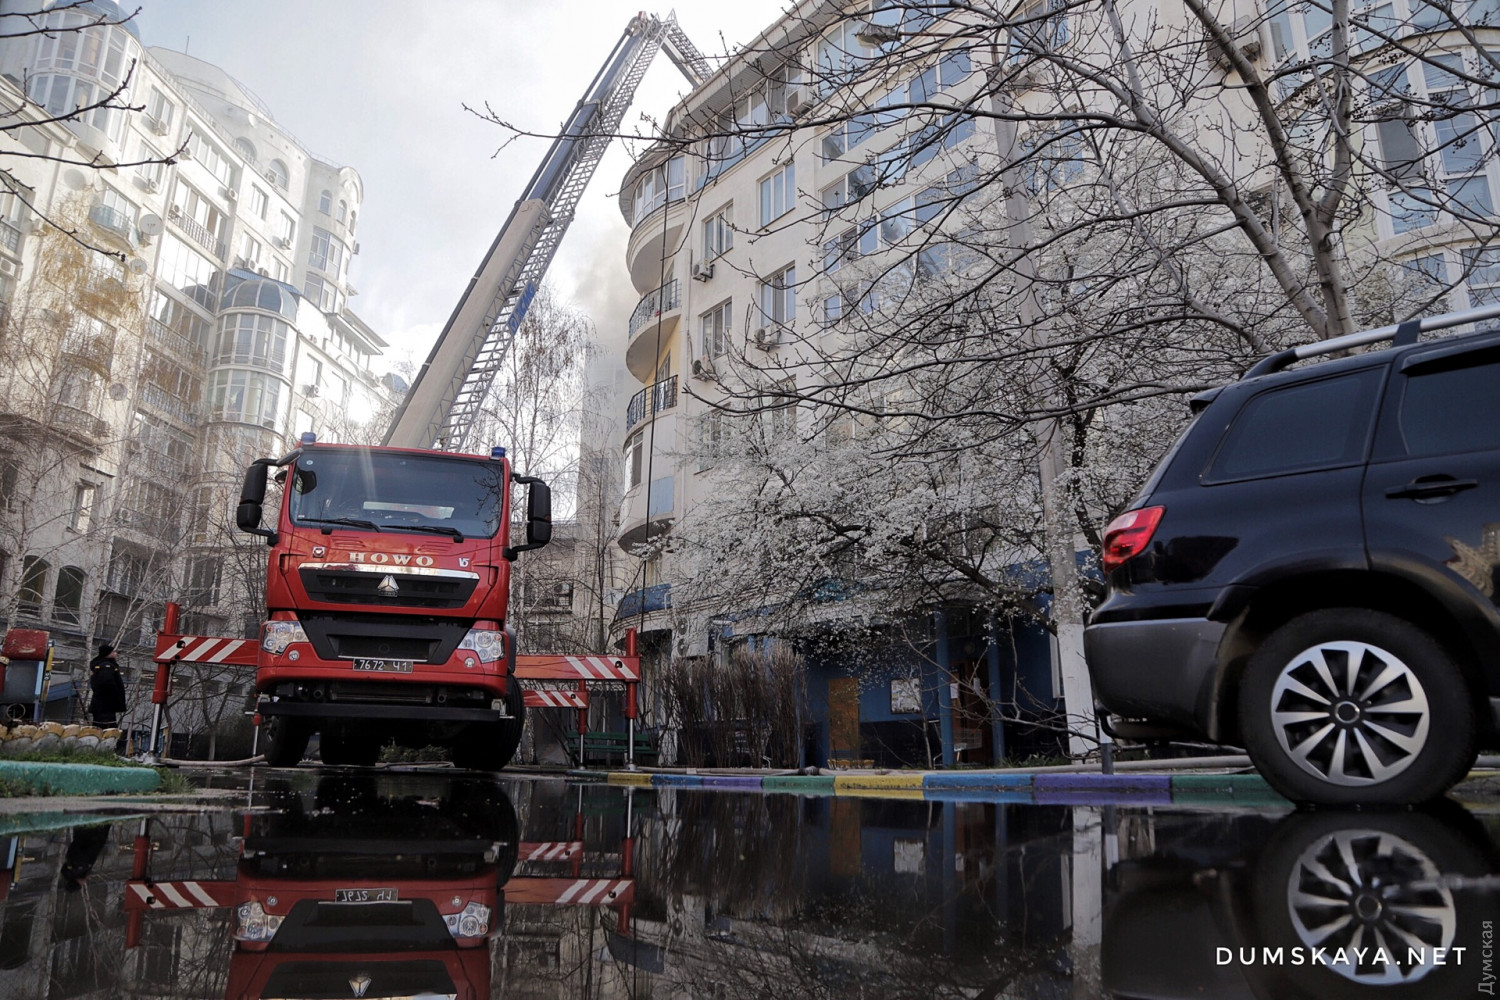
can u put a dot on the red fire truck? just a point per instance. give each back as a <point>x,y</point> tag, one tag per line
<point>386,594</point>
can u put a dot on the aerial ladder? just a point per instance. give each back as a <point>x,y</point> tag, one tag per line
<point>440,408</point>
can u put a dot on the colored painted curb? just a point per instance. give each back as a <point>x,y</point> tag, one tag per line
<point>677,780</point>
<point>877,782</point>
<point>815,784</point>
<point>975,780</point>
<point>732,781</point>
<point>78,779</point>
<point>633,778</point>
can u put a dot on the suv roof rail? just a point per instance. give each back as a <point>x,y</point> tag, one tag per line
<point>1398,333</point>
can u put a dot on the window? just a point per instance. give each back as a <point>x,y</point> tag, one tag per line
<point>778,297</point>
<point>245,148</point>
<point>1482,275</point>
<point>181,267</point>
<point>159,111</point>
<point>128,569</point>
<point>252,339</point>
<point>1037,28</point>
<point>151,169</point>
<point>715,326</point>
<point>323,294</point>
<point>343,211</point>
<point>33,583</point>
<point>951,69</point>
<point>10,476</point>
<point>711,438</point>
<point>634,461</point>
<point>250,249</point>
<point>718,234</point>
<point>857,129</point>
<point>1302,427</point>
<point>67,599</point>
<point>658,185</point>
<point>246,396</point>
<point>277,174</point>
<point>288,230</point>
<point>83,507</point>
<point>1452,409</point>
<point>778,194</point>
<point>326,252</point>
<point>259,202</point>
<point>840,55</point>
<point>212,158</point>
<point>1461,156</point>
<point>325,202</point>
<point>203,581</point>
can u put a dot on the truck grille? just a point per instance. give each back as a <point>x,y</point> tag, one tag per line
<point>346,586</point>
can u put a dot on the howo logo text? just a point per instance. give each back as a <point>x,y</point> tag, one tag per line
<point>396,558</point>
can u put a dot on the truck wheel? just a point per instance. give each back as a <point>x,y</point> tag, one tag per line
<point>1349,706</point>
<point>284,740</point>
<point>489,746</point>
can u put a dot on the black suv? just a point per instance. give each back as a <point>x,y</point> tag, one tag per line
<point>1312,571</point>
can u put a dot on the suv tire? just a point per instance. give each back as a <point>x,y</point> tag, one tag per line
<point>1349,706</point>
<point>284,739</point>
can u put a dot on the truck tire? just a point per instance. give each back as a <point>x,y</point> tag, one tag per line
<point>1348,706</point>
<point>489,746</point>
<point>284,740</point>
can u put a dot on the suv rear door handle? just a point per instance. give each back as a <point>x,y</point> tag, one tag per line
<point>1430,487</point>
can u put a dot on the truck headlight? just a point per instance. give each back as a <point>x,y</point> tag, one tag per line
<point>253,923</point>
<point>488,644</point>
<point>275,637</point>
<point>471,922</point>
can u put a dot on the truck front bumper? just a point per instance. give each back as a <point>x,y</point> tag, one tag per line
<point>353,710</point>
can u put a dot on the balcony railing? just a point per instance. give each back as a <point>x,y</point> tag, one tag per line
<point>184,347</point>
<point>650,401</point>
<point>200,235</point>
<point>81,422</point>
<point>10,237</point>
<point>657,301</point>
<point>115,221</point>
<point>169,405</point>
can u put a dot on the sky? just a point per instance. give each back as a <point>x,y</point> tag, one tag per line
<point>380,86</point>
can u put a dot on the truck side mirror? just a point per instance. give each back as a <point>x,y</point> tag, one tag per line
<point>252,499</point>
<point>538,515</point>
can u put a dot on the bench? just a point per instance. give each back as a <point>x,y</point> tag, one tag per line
<point>612,746</point>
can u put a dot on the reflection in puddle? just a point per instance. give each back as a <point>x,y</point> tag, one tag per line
<point>443,885</point>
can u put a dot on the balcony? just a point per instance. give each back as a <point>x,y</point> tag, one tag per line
<point>651,401</point>
<point>647,513</point>
<point>168,405</point>
<point>79,423</point>
<point>657,597</point>
<point>10,236</point>
<point>184,347</point>
<point>198,233</point>
<point>661,307</point>
<point>115,221</point>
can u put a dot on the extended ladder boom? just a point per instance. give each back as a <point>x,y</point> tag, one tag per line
<point>443,401</point>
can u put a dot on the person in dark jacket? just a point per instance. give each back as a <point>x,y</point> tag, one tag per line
<point>108,687</point>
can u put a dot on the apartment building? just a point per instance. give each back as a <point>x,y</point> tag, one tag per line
<point>164,323</point>
<point>806,201</point>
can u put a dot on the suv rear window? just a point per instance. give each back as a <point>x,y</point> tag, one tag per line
<point>1453,410</point>
<point>1298,428</point>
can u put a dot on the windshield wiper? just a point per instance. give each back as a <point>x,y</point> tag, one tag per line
<point>436,529</point>
<point>352,522</point>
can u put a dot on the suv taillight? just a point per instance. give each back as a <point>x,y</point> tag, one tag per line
<point>1128,535</point>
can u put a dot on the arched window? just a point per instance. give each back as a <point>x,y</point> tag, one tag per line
<point>343,210</point>
<point>325,202</point>
<point>246,148</point>
<point>33,582</point>
<point>67,599</point>
<point>277,174</point>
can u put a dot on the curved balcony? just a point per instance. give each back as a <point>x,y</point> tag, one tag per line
<point>649,508</point>
<point>662,304</point>
<point>654,242</point>
<point>650,401</point>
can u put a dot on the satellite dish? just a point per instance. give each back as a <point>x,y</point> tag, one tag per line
<point>118,391</point>
<point>150,225</point>
<point>138,266</point>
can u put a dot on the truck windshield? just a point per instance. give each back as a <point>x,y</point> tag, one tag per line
<point>391,491</point>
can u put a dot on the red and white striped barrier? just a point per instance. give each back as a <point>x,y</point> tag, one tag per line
<point>143,895</point>
<point>575,668</point>
<point>206,649</point>
<point>550,850</point>
<point>556,699</point>
<point>569,891</point>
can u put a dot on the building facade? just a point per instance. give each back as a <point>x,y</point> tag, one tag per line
<point>808,199</point>
<point>176,286</point>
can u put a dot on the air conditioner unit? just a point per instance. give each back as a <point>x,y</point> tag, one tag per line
<point>703,368</point>
<point>150,184</point>
<point>283,243</point>
<point>768,337</point>
<point>310,391</point>
<point>875,35</point>
<point>797,100</point>
<point>1246,34</point>
<point>703,270</point>
<point>157,125</point>
<point>230,194</point>
<point>356,246</point>
<point>7,266</point>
